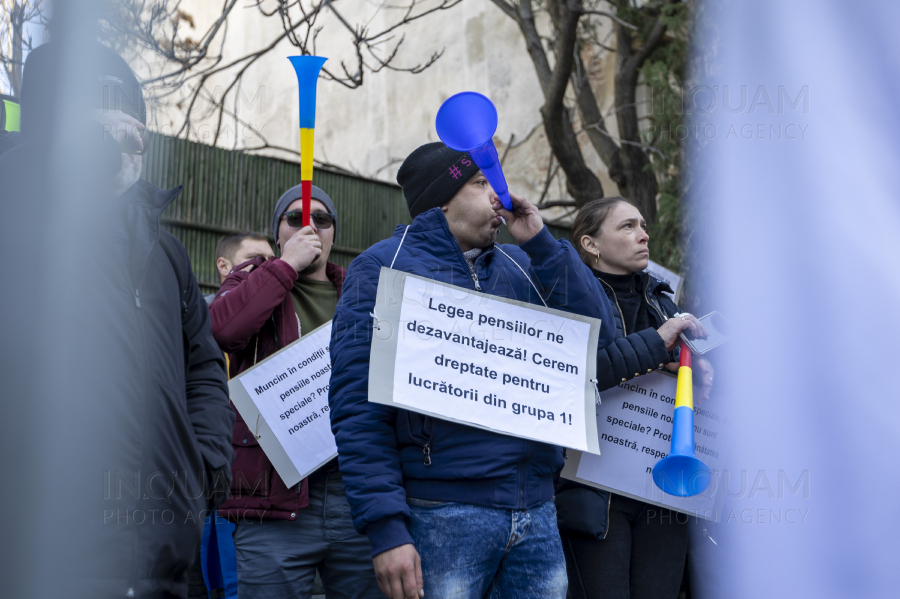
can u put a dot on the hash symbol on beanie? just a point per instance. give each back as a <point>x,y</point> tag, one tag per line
<point>432,175</point>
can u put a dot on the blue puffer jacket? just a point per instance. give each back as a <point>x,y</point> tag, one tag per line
<point>382,450</point>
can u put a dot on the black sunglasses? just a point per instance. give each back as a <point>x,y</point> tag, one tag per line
<point>322,220</point>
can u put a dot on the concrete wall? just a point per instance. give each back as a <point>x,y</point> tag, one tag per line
<point>370,130</point>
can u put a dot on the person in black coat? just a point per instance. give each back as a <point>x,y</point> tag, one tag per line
<point>141,452</point>
<point>618,547</point>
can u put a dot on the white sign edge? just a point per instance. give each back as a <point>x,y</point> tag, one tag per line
<point>383,351</point>
<point>267,439</point>
<point>573,459</point>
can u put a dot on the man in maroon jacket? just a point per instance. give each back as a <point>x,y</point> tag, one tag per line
<point>283,535</point>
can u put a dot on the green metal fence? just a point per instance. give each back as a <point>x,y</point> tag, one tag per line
<point>229,191</point>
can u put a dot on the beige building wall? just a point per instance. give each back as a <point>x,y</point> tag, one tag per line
<point>371,129</point>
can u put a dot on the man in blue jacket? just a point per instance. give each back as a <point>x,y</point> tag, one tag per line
<point>456,510</point>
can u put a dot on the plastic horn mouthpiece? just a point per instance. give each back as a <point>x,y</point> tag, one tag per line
<point>467,122</point>
<point>307,69</point>
<point>681,473</point>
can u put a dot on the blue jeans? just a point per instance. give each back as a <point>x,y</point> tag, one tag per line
<point>474,552</point>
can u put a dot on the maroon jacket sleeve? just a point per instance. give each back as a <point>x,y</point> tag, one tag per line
<point>246,300</point>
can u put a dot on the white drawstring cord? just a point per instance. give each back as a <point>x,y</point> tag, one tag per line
<point>399,246</point>
<point>524,273</point>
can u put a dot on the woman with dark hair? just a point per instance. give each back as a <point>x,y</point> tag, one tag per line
<point>617,547</point>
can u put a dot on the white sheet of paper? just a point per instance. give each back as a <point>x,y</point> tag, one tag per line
<point>485,361</point>
<point>634,424</point>
<point>665,275</point>
<point>286,396</point>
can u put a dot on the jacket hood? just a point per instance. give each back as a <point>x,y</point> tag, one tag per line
<point>654,285</point>
<point>147,195</point>
<point>432,223</point>
<point>432,219</point>
<point>430,233</point>
<point>143,206</point>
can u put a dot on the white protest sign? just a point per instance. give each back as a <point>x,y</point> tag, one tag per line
<point>284,400</point>
<point>635,426</point>
<point>485,361</point>
<point>665,275</point>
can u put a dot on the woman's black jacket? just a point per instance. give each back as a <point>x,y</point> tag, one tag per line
<point>633,353</point>
<point>585,510</point>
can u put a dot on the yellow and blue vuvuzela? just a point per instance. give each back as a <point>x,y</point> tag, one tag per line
<point>681,473</point>
<point>307,69</point>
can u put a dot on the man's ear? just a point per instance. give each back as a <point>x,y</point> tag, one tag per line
<point>445,207</point>
<point>224,266</point>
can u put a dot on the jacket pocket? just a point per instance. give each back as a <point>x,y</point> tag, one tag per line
<point>583,511</point>
<point>251,470</point>
<point>419,428</point>
<point>242,436</point>
<point>421,432</point>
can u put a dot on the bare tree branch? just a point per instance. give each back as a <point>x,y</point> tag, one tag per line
<point>581,182</point>
<point>630,67</point>
<point>524,16</point>
<point>609,15</point>
<point>509,145</point>
<point>14,16</point>
<point>556,204</point>
<point>641,185</point>
<point>566,24</point>
<point>508,8</point>
<point>564,220</point>
<point>594,123</point>
<point>571,53</point>
<point>551,174</point>
<point>189,63</point>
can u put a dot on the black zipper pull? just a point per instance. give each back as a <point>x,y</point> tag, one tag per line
<point>427,451</point>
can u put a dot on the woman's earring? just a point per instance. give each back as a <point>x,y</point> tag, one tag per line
<point>598,258</point>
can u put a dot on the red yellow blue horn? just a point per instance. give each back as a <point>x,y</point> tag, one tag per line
<point>681,473</point>
<point>307,69</point>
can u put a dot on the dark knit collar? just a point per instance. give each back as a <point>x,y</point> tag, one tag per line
<point>630,283</point>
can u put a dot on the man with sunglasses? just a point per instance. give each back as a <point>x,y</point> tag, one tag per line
<point>284,535</point>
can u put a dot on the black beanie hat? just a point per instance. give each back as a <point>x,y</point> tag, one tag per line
<point>114,85</point>
<point>432,175</point>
